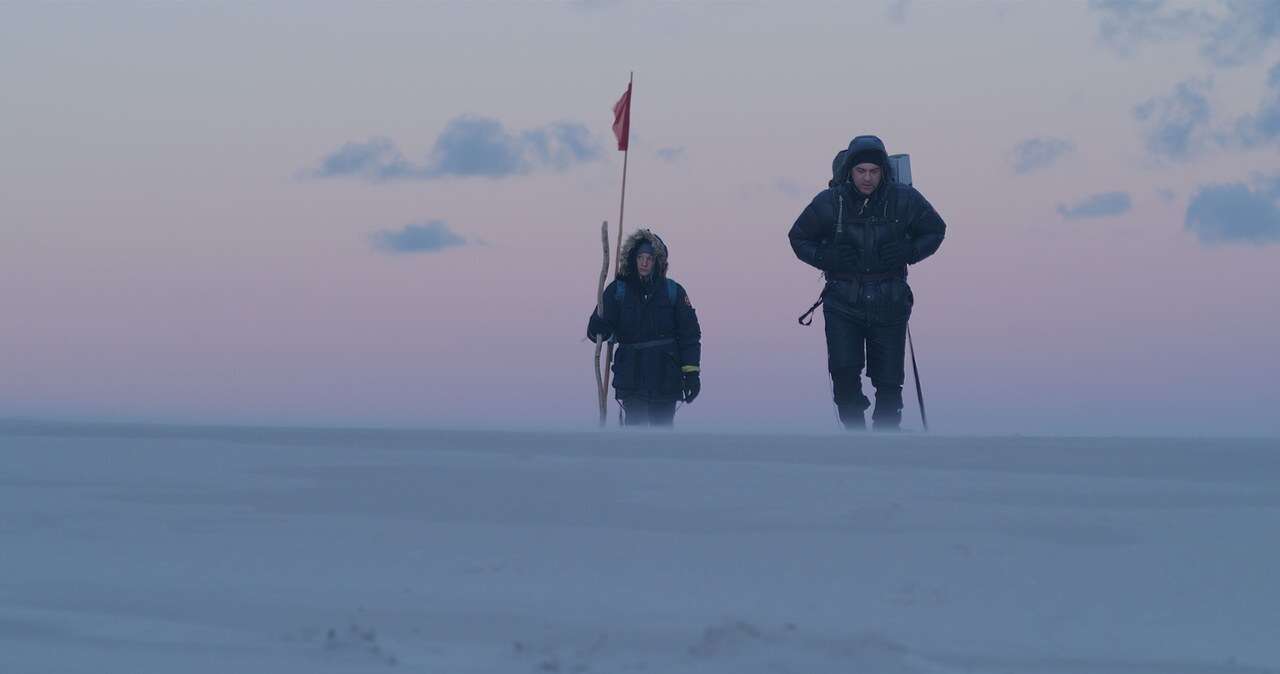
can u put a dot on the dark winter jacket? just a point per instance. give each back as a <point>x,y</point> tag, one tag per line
<point>892,211</point>
<point>654,324</point>
<point>848,236</point>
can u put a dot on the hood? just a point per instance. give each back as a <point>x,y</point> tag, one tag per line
<point>626,263</point>
<point>856,146</point>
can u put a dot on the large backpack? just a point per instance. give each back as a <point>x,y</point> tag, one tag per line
<point>899,168</point>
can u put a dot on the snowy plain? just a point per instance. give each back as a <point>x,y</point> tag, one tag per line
<point>139,548</point>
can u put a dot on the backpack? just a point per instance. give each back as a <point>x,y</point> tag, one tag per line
<point>620,290</point>
<point>899,169</point>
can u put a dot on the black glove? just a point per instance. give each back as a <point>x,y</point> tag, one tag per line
<point>893,254</point>
<point>691,386</point>
<point>597,326</point>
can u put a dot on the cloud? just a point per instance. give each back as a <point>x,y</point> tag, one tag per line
<point>898,10</point>
<point>1246,29</point>
<point>671,155</point>
<point>1234,213</point>
<point>432,237</point>
<point>1176,124</point>
<point>795,190</point>
<point>377,159</point>
<point>1269,185</point>
<point>1263,126</point>
<point>1124,24</point>
<point>1038,153</point>
<point>469,146</point>
<point>476,146</point>
<point>559,146</point>
<point>1230,32</point>
<point>1097,206</point>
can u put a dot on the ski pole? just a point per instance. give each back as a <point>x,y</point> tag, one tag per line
<point>915,371</point>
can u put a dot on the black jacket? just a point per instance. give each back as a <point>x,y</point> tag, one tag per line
<point>656,329</point>
<point>892,211</point>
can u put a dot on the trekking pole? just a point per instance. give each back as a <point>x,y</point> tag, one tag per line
<point>915,371</point>
<point>604,273</point>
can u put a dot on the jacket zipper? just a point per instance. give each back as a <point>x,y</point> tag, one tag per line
<point>866,237</point>
<point>839,215</point>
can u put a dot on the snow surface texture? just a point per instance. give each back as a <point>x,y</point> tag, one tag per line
<point>172,549</point>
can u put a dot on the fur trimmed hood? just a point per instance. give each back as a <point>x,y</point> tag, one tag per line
<point>627,255</point>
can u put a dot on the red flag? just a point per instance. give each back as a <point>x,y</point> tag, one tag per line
<point>622,119</point>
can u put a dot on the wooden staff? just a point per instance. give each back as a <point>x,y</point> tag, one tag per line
<point>602,381</point>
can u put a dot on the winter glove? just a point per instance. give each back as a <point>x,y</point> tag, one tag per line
<point>597,326</point>
<point>893,254</point>
<point>691,386</point>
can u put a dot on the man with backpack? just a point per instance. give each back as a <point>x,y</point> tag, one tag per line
<point>862,232</point>
<point>659,341</point>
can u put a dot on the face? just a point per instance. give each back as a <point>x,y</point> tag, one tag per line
<point>866,177</point>
<point>644,264</point>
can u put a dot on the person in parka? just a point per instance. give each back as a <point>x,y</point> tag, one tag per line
<point>659,341</point>
<point>862,232</point>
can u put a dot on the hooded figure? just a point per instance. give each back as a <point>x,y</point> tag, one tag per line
<point>656,329</point>
<point>862,232</point>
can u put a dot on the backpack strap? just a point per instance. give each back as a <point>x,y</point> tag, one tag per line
<point>620,290</point>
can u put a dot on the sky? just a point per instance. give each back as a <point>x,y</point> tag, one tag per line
<point>388,214</point>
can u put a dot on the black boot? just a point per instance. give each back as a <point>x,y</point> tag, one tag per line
<point>852,417</point>
<point>846,384</point>
<point>887,415</point>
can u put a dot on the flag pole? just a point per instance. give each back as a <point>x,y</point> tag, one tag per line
<point>622,204</point>
<point>622,207</point>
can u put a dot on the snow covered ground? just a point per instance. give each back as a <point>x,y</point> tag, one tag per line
<point>182,549</point>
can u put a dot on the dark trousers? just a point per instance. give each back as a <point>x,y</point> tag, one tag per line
<point>852,342</point>
<point>640,412</point>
